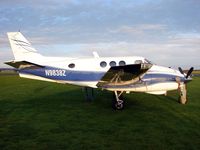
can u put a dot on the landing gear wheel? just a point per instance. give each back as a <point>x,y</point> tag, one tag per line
<point>119,105</point>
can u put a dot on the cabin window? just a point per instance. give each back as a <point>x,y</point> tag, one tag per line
<point>138,62</point>
<point>103,64</point>
<point>72,65</point>
<point>122,63</point>
<point>112,63</point>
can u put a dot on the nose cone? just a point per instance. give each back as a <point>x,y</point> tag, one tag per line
<point>166,70</point>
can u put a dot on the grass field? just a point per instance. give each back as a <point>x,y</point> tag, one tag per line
<point>41,115</point>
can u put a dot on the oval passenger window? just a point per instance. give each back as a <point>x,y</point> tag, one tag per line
<point>103,64</point>
<point>122,63</point>
<point>112,63</point>
<point>72,65</point>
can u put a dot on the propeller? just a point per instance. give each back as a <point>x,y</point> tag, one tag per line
<point>188,73</point>
<point>180,69</point>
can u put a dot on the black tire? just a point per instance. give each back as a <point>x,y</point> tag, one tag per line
<point>115,104</point>
<point>89,94</point>
<point>119,106</point>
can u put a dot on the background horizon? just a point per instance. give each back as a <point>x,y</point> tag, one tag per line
<point>165,32</point>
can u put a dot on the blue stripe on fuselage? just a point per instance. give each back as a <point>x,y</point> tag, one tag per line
<point>71,75</point>
<point>63,74</point>
<point>161,77</point>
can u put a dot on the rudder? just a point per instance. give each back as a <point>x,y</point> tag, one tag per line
<point>21,47</point>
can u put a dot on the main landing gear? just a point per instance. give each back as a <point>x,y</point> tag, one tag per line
<point>118,103</point>
<point>89,93</point>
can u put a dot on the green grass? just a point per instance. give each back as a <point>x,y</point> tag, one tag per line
<point>196,72</point>
<point>41,115</point>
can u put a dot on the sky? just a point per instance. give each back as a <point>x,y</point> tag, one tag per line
<point>167,32</point>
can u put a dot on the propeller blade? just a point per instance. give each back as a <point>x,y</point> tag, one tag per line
<point>189,72</point>
<point>181,71</point>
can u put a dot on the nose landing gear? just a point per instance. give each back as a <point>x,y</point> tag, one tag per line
<point>118,102</point>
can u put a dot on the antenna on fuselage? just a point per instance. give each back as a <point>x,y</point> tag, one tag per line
<point>95,54</point>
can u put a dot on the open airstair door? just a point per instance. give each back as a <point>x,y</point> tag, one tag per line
<point>123,75</point>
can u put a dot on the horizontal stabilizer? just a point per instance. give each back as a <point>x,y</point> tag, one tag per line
<point>23,65</point>
<point>123,75</point>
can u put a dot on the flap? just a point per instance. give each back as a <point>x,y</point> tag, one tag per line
<point>123,75</point>
<point>23,65</point>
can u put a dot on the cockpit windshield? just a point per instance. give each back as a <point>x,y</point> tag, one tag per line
<point>146,61</point>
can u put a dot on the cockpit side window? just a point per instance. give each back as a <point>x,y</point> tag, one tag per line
<point>138,62</point>
<point>146,61</point>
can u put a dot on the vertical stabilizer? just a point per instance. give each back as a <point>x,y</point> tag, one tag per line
<point>21,47</point>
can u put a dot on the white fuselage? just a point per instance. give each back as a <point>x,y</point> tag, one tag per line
<point>87,72</point>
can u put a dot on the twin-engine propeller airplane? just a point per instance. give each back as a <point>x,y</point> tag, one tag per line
<point>117,74</point>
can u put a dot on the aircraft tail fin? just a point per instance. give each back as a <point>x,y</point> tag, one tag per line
<point>21,47</point>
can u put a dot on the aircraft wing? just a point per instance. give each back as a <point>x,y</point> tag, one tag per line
<point>123,75</point>
<point>23,65</point>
